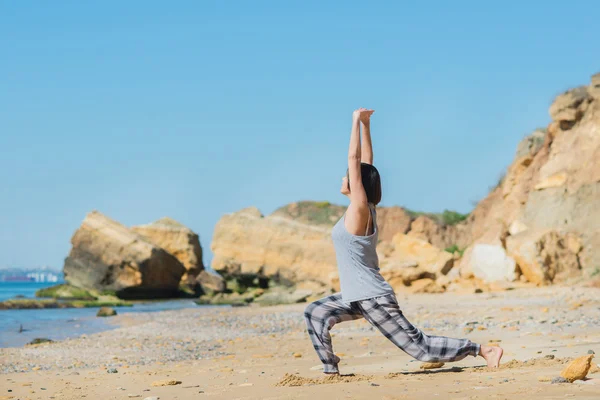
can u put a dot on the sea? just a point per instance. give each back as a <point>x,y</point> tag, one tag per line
<point>19,327</point>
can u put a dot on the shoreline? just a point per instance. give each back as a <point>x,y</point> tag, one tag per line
<point>246,352</point>
<point>59,324</point>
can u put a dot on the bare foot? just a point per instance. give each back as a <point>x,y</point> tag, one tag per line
<point>492,355</point>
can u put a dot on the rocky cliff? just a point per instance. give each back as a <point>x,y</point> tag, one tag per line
<point>540,224</point>
<point>543,220</point>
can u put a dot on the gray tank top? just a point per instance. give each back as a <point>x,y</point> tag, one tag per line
<point>357,262</point>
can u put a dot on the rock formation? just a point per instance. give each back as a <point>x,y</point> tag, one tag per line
<point>107,256</point>
<point>543,220</point>
<point>178,240</point>
<point>293,245</point>
<point>407,259</point>
<point>276,247</point>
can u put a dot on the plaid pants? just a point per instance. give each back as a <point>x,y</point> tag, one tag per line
<point>384,314</point>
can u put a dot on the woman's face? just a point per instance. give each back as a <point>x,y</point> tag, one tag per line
<point>345,190</point>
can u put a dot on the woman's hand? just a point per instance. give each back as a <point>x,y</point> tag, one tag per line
<point>363,115</point>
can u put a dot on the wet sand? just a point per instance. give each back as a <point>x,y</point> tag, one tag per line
<point>265,353</point>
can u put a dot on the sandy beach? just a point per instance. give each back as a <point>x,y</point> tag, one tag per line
<point>265,353</point>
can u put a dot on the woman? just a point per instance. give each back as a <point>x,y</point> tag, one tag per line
<point>364,292</point>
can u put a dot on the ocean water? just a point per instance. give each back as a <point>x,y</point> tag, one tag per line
<point>9,290</point>
<point>18,327</point>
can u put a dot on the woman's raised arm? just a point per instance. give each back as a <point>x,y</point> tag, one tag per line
<point>357,191</point>
<point>366,152</point>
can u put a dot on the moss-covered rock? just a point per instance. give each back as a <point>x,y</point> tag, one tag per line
<point>25,304</point>
<point>446,218</point>
<point>39,341</point>
<point>283,296</point>
<point>235,299</point>
<point>66,292</point>
<point>312,212</point>
<point>106,312</point>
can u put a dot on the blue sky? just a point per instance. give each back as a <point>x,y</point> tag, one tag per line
<point>194,109</point>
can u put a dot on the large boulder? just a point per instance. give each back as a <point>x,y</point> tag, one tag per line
<point>211,282</point>
<point>407,249</point>
<point>407,258</point>
<point>547,256</point>
<point>489,262</point>
<point>178,240</point>
<point>107,256</point>
<point>275,247</point>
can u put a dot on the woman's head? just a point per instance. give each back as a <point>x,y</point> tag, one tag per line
<point>370,180</point>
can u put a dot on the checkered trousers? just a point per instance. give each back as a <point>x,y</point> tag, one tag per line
<point>384,314</point>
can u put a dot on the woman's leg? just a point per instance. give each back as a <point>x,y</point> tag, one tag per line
<point>320,317</point>
<point>385,314</point>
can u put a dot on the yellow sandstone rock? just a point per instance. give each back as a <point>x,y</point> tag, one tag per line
<point>178,240</point>
<point>578,368</point>
<point>432,365</point>
<point>166,382</point>
<point>262,355</point>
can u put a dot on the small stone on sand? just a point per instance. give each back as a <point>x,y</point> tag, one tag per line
<point>578,368</point>
<point>166,382</point>
<point>106,312</point>
<point>262,355</point>
<point>432,365</point>
<point>559,379</point>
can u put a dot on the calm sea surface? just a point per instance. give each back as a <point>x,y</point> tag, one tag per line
<point>58,324</point>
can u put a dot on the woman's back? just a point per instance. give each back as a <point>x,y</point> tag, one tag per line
<point>358,264</point>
